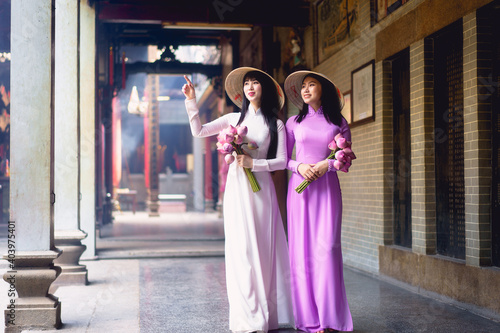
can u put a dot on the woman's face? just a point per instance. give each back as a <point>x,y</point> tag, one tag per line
<point>253,90</point>
<point>311,91</point>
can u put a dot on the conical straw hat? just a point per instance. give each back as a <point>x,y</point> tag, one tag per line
<point>234,85</point>
<point>293,86</point>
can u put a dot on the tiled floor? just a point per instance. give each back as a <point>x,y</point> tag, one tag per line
<point>167,274</point>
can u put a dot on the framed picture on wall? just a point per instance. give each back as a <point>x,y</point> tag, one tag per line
<point>379,9</point>
<point>346,111</point>
<point>363,94</point>
<point>336,26</point>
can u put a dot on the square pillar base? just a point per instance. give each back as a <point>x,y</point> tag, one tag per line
<point>70,279</point>
<point>19,319</point>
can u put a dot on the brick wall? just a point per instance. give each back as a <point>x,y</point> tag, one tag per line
<point>367,188</point>
<point>477,132</point>
<point>422,147</point>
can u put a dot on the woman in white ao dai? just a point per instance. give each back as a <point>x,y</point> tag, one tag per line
<point>256,252</point>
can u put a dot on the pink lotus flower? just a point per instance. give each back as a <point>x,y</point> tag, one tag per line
<point>252,145</point>
<point>220,139</point>
<point>231,139</point>
<point>338,165</point>
<point>227,137</point>
<point>332,145</point>
<point>340,156</point>
<point>219,147</point>
<point>342,143</point>
<point>242,131</point>
<point>227,148</point>
<point>229,158</point>
<point>348,151</point>
<point>231,130</point>
<point>238,139</point>
<point>345,168</point>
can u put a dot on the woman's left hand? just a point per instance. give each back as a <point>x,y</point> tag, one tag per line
<point>244,161</point>
<point>320,168</point>
<point>188,89</point>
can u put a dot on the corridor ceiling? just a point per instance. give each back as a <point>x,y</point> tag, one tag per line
<point>194,22</point>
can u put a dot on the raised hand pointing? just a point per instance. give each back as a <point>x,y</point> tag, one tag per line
<point>188,89</point>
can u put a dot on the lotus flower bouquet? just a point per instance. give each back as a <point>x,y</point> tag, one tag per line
<point>341,152</point>
<point>231,139</point>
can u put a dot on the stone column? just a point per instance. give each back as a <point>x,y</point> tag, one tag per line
<point>68,235</point>
<point>32,179</point>
<point>423,201</point>
<point>478,94</point>
<point>198,184</point>
<point>87,126</point>
<point>384,102</point>
<point>209,199</point>
<point>153,86</point>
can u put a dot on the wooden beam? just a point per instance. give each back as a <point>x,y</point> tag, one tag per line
<point>163,67</point>
<point>257,12</point>
<point>424,20</point>
<point>140,34</point>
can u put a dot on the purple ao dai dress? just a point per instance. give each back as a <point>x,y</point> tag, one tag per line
<point>314,226</point>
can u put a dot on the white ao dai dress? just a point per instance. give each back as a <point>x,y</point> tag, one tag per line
<point>256,253</point>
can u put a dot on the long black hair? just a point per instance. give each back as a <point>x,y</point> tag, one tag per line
<point>330,102</point>
<point>269,107</point>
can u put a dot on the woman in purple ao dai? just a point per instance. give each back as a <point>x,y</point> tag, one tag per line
<point>315,215</point>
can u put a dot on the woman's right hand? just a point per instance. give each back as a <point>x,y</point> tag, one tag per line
<point>307,171</point>
<point>188,89</point>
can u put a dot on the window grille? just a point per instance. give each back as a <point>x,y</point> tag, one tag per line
<point>402,148</point>
<point>449,141</point>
